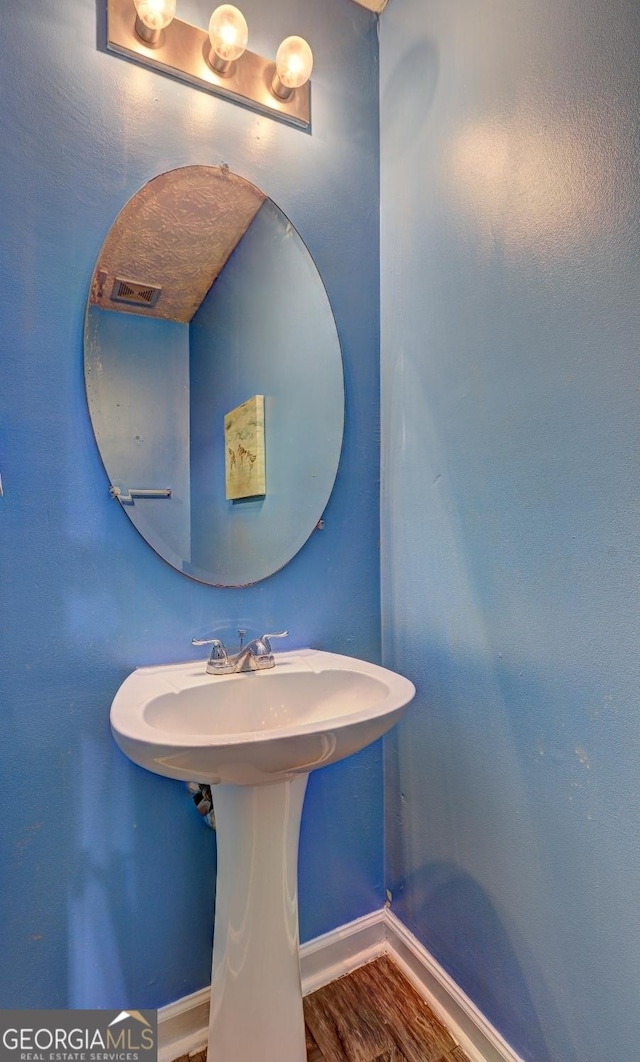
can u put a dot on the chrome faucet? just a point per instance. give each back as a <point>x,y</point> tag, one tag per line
<point>255,656</point>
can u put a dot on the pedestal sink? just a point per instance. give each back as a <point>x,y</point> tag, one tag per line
<point>255,737</point>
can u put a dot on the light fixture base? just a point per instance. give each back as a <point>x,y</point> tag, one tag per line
<point>223,67</point>
<point>279,89</point>
<point>184,51</point>
<point>151,37</point>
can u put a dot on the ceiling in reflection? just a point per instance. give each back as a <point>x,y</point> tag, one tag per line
<point>373,5</point>
<point>175,234</point>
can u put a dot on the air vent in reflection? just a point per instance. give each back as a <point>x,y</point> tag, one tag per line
<point>135,294</point>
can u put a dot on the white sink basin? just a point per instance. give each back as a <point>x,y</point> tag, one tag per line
<point>312,709</point>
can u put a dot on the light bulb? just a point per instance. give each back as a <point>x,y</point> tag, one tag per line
<point>152,17</point>
<point>228,33</point>
<point>294,63</point>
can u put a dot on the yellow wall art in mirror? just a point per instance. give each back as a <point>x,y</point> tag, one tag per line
<point>244,450</point>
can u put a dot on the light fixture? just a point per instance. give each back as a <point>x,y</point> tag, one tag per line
<point>152,16</point>
<point>228,33</point>
<point>294,63</point>
<point>218,61</point>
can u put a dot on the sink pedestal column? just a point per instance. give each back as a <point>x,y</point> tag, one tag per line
<point>256,997</point>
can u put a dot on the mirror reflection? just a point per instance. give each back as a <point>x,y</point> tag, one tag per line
<point>214,376</point>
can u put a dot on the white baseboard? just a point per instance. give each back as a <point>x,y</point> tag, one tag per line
<point>344,949</point>
<point>183,1025</point>
<point>480,1040</point>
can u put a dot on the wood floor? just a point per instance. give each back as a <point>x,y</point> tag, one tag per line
<point>372,1015</point>
<point>375,1015</point>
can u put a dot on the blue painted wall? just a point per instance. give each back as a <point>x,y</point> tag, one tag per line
<point>511,476</point>
<point>137,378</point>
<point>106,873</point>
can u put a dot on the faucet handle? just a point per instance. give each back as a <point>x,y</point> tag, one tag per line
<point>218,651</point>
<point>218,662</point>
<point>266,638</point>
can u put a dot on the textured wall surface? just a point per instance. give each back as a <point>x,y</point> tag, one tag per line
<point>106,872</point>
<point>511,476</point>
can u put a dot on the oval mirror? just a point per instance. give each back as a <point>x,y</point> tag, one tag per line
<point>214,376</point>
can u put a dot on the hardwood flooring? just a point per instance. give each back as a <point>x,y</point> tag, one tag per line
<point>375,1015</point>
<point>371,1015</point>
